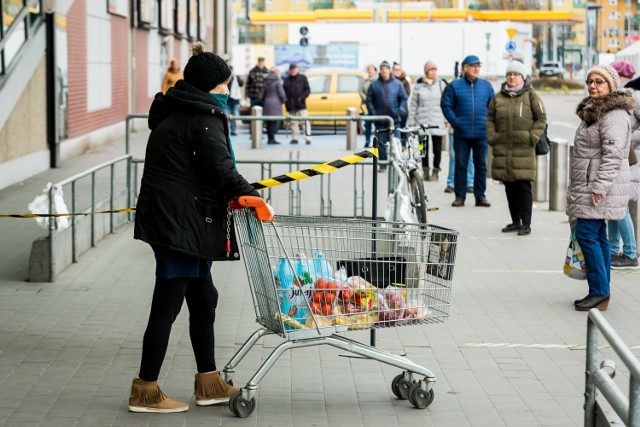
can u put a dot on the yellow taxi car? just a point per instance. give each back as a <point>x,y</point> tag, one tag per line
<point>333,91</point>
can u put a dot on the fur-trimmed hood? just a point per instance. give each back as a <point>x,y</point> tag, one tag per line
<point>591,110</point>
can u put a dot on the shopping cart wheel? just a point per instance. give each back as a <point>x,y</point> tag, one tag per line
<point>420,398</point>
<point>400,386</point>
<point>240,406</point>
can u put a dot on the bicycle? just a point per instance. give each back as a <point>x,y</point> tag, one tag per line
<point>405,178</point>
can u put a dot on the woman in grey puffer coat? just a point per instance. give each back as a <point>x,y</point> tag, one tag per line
<point>273,98</point>
<point>599,176</point>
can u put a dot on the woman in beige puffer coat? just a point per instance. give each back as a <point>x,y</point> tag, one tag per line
<point>599,176</point>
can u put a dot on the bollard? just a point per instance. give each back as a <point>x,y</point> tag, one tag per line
<point>558,174</point>
<point>256,127</point>
<point>541,184</point>
<point>351,129</point>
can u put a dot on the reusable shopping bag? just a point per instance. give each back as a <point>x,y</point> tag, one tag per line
<point>574,262</point>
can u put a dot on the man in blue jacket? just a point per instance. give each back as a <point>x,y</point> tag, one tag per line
<point>386,97</point>
<point>465,104</point>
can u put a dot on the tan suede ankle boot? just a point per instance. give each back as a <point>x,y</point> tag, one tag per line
<point>146,396</point>
<point>210,389</point>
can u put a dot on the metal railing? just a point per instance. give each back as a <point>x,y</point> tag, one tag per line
<point>26,21</point>
<point>94,204</point>
<point>599,378</point>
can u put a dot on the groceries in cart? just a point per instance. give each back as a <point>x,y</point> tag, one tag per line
<point>311,296</point>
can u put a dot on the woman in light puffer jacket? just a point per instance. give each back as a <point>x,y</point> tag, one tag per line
<point>599,176</point>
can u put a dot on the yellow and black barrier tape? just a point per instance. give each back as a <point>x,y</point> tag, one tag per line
<point>321,169</point>
<point>57,215</point>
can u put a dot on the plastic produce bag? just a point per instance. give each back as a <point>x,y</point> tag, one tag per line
<point>574,266</point>
<point>404,210</point>
<point>40,205</point>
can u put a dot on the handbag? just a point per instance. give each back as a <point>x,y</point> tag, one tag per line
<point>544,145</point>
<point>574,266</point>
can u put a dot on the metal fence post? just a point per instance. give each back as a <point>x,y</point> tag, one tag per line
<point>541,184</point>
<point>558,175</point>
<point>351,129</point>
<point>256,127</point>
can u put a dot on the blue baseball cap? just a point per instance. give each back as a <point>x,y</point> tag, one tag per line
<point>471,60</point>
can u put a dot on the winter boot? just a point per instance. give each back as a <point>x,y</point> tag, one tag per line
<point>211,389</point>
<point>425,174</point>
<point>434,174</point>
<point>146,396</point>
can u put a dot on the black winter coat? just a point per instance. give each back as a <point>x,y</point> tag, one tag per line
<point>189,175</point>
<point>297,90</point>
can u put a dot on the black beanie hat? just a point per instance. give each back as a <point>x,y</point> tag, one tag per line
<point>205,70</point>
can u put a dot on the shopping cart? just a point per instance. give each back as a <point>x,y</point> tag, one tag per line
<point>312,278</point>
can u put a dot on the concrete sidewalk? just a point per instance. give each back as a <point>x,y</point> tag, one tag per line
<point>510,353</point>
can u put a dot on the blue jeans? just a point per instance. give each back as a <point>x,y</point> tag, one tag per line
<point>592,237</point>
<point>623,229</point>
<point>367,131</point>
<point>233,110</point>
<point>452,166</point>
<point>463,148</point>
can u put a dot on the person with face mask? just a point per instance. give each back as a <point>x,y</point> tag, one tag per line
<point>189,177</point>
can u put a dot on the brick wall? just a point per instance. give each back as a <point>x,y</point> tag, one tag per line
<point>142,102</point>
<point>80,120</point>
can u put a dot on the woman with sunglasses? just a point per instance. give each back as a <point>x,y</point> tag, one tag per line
<point>599,176</point>
<point>515,121</point>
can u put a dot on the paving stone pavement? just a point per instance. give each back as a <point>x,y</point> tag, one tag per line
<point>509,354</point>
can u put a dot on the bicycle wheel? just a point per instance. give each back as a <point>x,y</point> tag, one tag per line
<point>418,199</point>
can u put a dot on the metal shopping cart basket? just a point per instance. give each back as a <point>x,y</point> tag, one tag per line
<point>312,278</point>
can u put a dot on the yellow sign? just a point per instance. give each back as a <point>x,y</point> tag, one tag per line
<point>512,32</point>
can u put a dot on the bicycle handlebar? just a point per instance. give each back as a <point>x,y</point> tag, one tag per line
<point>417,129</point>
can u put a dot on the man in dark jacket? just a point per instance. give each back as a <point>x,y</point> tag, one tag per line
<point>255,83</point>
<point>465,104</point>
<point>386,97</point>
<point>296,86</point>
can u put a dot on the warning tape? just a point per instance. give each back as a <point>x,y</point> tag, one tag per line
<point>316,170</point>
<point>321,169</point>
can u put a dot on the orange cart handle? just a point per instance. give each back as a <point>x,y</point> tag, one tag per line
<point>263,212</point>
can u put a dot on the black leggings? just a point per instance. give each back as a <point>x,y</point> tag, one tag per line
<point>520,199</point>
<point>168,295</point>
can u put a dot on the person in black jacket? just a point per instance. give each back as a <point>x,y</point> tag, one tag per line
<point>189,177</point>
<point>296,87</point>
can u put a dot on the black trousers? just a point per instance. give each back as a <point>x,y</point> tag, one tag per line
<point>436,149</point>
<point>272,129</point>
<point>520,199</point>
<point>168,295</point>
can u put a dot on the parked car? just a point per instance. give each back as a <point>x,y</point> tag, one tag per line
<point>333,91</point>
<point>551,69</point>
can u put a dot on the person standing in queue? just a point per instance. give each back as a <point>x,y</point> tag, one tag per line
<point>386,97</point>
<point>515,121</point>
<point>465,104</point>
<point>599,176</point>
<point>189,177</point>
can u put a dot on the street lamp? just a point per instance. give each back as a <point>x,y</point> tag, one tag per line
<point>592,33</point>
<point>52,93</point>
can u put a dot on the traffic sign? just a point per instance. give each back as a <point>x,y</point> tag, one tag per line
<point>511,47</point>
<point>511,32</point>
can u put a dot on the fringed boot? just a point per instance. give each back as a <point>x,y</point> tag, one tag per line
<point>210,389</point>
<point>146,396</point>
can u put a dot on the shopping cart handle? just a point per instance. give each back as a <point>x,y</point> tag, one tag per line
<point>264,212</point>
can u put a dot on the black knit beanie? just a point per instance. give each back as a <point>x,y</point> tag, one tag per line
<point>205,70</point>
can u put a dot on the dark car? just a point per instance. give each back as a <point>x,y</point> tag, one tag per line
<point>551,69</point>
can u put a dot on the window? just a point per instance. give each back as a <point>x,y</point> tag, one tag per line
<point>349,84</point>
<point>613,2</point>
<point>614,15</point>
<point>614,43</point>
<point>319,84</point>
<point>558,2</point>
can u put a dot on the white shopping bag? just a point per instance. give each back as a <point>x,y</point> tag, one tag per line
<point>40,205</point>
